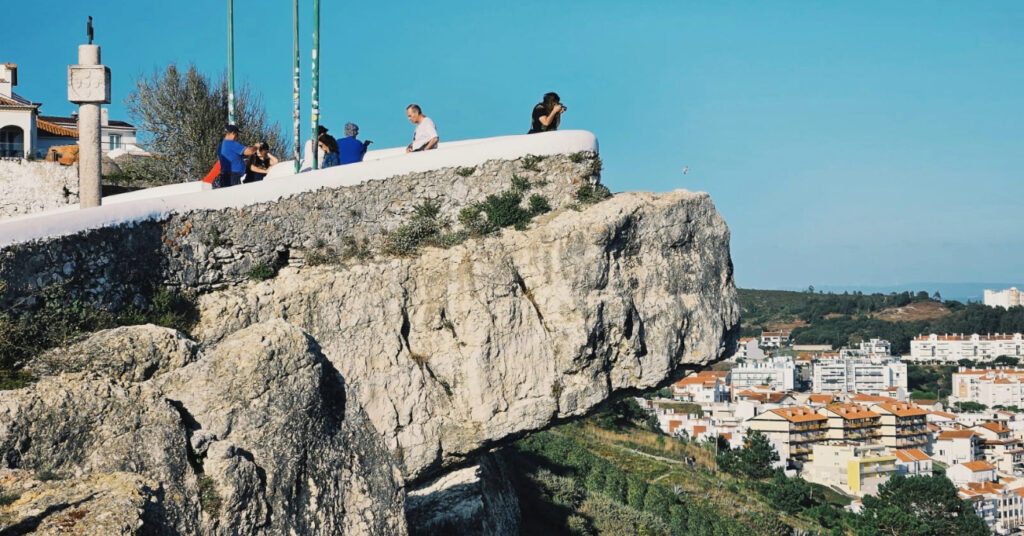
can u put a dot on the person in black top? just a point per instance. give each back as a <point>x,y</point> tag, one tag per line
<point>259,163</point>
<point>547,114</point>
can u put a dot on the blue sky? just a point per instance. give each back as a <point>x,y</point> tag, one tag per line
<point>853,143</point>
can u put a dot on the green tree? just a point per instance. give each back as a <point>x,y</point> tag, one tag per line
<point>182,115</point>
<point>636,492</point>
<point>791,495</point>
<point>918,506</point>
<point>756,457</point>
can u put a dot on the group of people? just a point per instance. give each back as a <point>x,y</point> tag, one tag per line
<point>237,161</point>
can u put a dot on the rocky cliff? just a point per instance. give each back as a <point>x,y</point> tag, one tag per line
<point>316,401</point>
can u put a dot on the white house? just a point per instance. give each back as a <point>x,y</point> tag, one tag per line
<point>991,387</point>
<point>977,472</point>
<point>748,349</point>
<point>957,446</point>
<point>774,339</point>
<point>862,374</point>
<point>24,132</point>
<point>704,387</point>
<point>912,462</point>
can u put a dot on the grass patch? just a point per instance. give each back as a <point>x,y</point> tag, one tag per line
<point>538,205</point>
<point>530,162</point>
<point>59,317</point>
<point>579,157</point>
<point>465,171</point>
<point>47,475</point>
<point>209,499</point>
<point>262,272</point>
<point>588,194</point>
<point>7,499</point>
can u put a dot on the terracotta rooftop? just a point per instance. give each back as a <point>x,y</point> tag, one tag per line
<point>762,396</point>
<point>911,455</point>
<point>851,411</point>
<point>798,414</point>
<point>821,399</point>
<point>976,466</point>
<point>55,129</point>
<point>957,434</point>
<point>859,397</point>
<point>944,414</point>
<point>901,409</point>
<point>995,427</point>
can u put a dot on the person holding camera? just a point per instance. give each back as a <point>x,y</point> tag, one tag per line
<point>547,114</point>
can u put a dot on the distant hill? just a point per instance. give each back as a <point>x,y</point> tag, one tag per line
<point>961,292</point>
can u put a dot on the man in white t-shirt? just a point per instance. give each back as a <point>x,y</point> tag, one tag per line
<point>425,137</point>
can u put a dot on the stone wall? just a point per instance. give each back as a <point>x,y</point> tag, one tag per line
<point>209,249</point>
<point>27,187</point>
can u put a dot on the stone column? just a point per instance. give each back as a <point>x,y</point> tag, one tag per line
<point>89,87</point>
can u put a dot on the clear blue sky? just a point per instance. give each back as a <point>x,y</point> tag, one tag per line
<point>845,143</point>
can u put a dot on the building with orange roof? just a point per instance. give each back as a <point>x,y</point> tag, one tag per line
<point>991,387</point>
<point>704,387</point>
<point>821,399</point>
<point>792,430</point>
<point>852,422</point>
<point>912,462</point>
<point>977,472</point>
<point>957,446</point>
<point>775,339</point>
<point>976,347</point>
<point>999,447</point>
<point>904,425</point>
<point>24,132</point>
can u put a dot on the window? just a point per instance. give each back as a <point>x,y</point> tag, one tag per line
<point>115,141</point>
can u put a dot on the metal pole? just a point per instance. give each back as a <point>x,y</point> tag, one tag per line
<point>316,80</point>
<point>296,112</point>
<point>231,62</point>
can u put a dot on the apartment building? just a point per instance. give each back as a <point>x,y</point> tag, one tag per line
<point>975,347</point>
<point>707,386</point>
<point>778,373</point>
<point>957,446</point>
<point>1000,504</point>
<point>774,339</point>
<point>904,425</point>
<point>792,430</point>
<point>858,373</point>
<point>999,447</point>
<point>857,469</point>
<point>991,387</point>
<point>852,422</point>
<point>1005,298</point>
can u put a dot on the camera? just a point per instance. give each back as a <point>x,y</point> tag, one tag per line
<point>564,107</point>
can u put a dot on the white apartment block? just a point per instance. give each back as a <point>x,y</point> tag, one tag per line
<point>934,347</point>
<point>876,348</point>
<point>775,339</point>
<point>778,373</point>
<point>857,469</point>
<point>861,374</point>
<point>1006,298</point>
<point>991,387</point>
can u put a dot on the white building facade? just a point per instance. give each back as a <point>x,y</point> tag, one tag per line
<point>975,347</point>
<point>991,387</point>
<point>1006,298</point>
<point>779,373</point>
<point>861,374</point>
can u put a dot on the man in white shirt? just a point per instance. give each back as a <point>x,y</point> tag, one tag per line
<point>425,137</point>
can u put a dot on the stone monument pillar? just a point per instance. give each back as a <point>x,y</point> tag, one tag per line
<point>89,87</point>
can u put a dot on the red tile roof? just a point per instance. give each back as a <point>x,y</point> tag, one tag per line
<point>799,414</point>
<point>851,411</point>
<point>54,129</point>
<point>911,455</point>
<point>995,427</point>
<point>978,466</point>
<point>901,409</point>
<point>957,434</point>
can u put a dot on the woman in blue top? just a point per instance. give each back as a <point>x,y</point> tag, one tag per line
<point>330,148</point>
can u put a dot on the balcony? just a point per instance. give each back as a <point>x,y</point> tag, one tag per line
<point>870,423</point>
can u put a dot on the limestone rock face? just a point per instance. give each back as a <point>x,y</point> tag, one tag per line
<point>457,350</point>
<point>131,354</point>
<point>116,504</point>
<point>260,436</point>
<point>478,500</point>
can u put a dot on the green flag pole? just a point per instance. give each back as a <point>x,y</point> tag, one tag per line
<point>316,79</point>
<point>231,62</point>
<point>296,112</point>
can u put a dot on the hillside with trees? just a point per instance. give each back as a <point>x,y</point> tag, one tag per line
<point>843,319</point>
